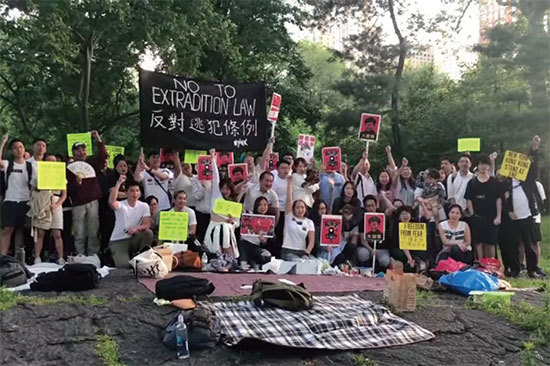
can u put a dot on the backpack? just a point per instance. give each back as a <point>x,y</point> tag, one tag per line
<point>5,176</point>
<point>281,295</point>
<point>12,272</point>
<point>183,287</point>
<point>203,329</point>
<point>72,277</point>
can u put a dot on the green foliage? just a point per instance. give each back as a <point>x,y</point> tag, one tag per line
<point>9,299</point>
<point>361,360</point>
<point>107,351</point>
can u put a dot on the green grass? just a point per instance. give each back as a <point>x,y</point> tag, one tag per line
<point>361,360</point>
<point>425,299</point>
<point>9,299</point>
<point>107,350</point>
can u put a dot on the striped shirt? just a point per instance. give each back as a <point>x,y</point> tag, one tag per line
<point>456,235</point>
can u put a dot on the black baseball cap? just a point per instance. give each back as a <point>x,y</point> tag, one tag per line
<point>76,145</point>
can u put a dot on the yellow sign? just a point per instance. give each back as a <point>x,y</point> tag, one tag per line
<point>85,138</point>
<point>51,175</point>
<point>226,208</point>
<point>173,225</point>
<point>412,236</point>
<point>469,144</point>
<point>515,165</point>
<point>113,151</point>
<point>192,156</point>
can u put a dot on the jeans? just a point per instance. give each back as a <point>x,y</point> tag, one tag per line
<point>123,250</point>
<point>86,226</point>
<point>252,253</point>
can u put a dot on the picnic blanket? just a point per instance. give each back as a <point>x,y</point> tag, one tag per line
<point>231,284</point>
<point>334,322</point>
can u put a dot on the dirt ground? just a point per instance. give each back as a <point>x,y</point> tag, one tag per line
<point>66,334</point>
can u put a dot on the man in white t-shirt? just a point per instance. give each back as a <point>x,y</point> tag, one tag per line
<point>262,189</point>
<point>458,181</point>
<point>364,183</point>
<point>132,230</point>
<point>154,179</point>
<point>17,175</point>
<point>39,148</point>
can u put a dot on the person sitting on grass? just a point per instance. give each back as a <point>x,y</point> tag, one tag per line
<point>456,238</point>
<point>252,248</point>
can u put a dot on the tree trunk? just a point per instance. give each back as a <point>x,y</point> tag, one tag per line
<point>86,72</point>
<point>394,114</point>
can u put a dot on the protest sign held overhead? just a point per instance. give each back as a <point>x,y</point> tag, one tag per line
<point>331,230</point>
<point>515,165</point>
<point>83,138</point>
<point>237,172</point>
<point>332,158</point>
<point>272,161</point>
<point>226,208</point>
<point>178,112</point>
<point>51,175</point>
<point>204,168</point>
<point>412,236</point>
<point>306,144</point>
<point>256,225</point>
<point>113,151</point>
<point>375,226</point>
<point>369,127</point>
<point>173,225</point>
<point>192,156</point>
<point>273,115</point>
<point>469,144</point>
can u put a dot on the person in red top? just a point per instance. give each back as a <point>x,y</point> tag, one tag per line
<point>84,191</point>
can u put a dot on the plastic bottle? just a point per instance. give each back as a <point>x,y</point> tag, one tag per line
<point>21,255</point>
<point>204,260</point>
<point>182,346</point>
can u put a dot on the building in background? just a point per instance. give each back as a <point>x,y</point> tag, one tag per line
<point>421,56</point>
<point>491,13</point>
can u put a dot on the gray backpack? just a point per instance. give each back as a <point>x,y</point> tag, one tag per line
<point>12,272</point>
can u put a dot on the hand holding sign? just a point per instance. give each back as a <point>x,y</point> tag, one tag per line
<point>51,175</point>
<point>228,208</point>
<point>173,225</point>
<point>412,236</point>
<point>515,165</point>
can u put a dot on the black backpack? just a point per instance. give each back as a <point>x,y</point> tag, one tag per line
<point>12,272</point>
<point>281,295</point>
<point>72,277</point>
<point>183,287</point>
<point>5,176</point>
<point>203,329</point>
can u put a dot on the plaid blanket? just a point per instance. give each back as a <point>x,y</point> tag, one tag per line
<point>334,322</point>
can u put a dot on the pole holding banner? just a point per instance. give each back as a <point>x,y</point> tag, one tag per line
<point>273,130</point>
<point>374,256</point>
<point>367,148</point>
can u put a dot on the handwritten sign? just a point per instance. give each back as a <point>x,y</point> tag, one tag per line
<point>179,112</point>
<point>51,175</point>
<point>85,138</point>
<point>515,165</point>
<point>412,236</point>
<point>469,144</point>
<point>226,208</point>
<point>369,126</point>
<point>173,225</point>
<point>113,151</point>
<point>331,230</point>
<point>192,156</point>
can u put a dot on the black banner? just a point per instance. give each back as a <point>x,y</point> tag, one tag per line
<point>184,113</point>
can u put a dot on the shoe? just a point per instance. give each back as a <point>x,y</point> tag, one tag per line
<point>60,261</point>
<point>540,272</point>
<point>522,267</point>
<point>534,275</point>
<point>245,266</point>
<point>37,260</point>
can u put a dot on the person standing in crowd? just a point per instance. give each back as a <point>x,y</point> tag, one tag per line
<point>202,195</point>
<point>458,181</point>
<point>302,190</point>
<point>364,183</point>
<point>384,189</point>
<point>484,202</point>
<point>279,187</point>
<point>85,193</point>
<point>330,186</point>
<point>262,189</point>
<point>132,230</point>
<point>16,181</point>
<point>404,185</point>
<point>154,179</point>
<point>455,237</point>
<point>298,230</point>
<point>538,234</point>
<point>447,168</point>
<point>184,182</point>
<point>39,148</point>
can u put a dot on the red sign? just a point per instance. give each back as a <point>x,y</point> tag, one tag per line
<point>273,115</point>
<point>237,172</point>
<point>256,225</point>
<point>204,168</point>
<point>273,160</point>
<point>224,158</point>
<point>375,226</point>
<point>332,158</point>
<point>331,230</point>
<point>369,127</point>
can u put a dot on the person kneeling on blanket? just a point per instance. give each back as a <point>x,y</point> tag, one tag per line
<point>132,230</point>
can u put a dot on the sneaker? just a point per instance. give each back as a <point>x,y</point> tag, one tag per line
<point>540,272</point>
<point>60,261</point>
<point>37,260</point>
<point>245,266</point>
<point>534,275</point>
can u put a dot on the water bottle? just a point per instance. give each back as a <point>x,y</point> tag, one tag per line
<point>204,260</point>
<point>182,346</point>
<point>21,255</point>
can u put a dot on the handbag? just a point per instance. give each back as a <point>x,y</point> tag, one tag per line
<point>188,260</point>
<point>168,256</point>
<point>149,264</point>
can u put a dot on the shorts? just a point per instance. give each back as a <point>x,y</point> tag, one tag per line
<point>537,235</point>
<point>14,214</point>
<point>483,230</point>
<point>57,216</point>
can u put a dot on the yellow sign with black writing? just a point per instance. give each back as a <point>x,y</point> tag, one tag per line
<point>515,165</point>
<point>51,175</point>
<point>412,236</point>
<point>173,225</point>
<point>192,156</point>
<point>113,151</point>
<point>226,208</point>
<point>83,138</point>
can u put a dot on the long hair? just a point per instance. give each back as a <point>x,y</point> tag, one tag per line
<point>343,191</point>
<point>314,213</point>
<point>386,187</point>
<point>257,204</point>
<point>227,182</point>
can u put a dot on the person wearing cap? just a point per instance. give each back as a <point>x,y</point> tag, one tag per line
<point>84,194</point>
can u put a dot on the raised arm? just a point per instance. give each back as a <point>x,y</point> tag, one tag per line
<point>115,205</point>
<point>268,150</point>
<point>493,158</point>
<point>140,166</point>
<point>177,165</point>
<point>4,141</point>
<point>288,206</point>
<point>357,167</point>
<point>391,161</point>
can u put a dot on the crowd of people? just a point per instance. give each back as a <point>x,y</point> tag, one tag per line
<point>115,212</point>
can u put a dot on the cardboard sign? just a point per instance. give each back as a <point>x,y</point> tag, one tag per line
<point>224,158</point>
<point>192,156</point>
<point>515,165</point>
<point>173,225</point>
<point>273,114</point>
<point>204,168</point>
<point>237,172</point>
<point>306,145</point>
<point>272,161</point>
<point>113,151</point>
<point>256,225</point>
<point>332,158</point>
<point>85,138</point>
<point>375,226</point>
<point>226,208</point>
<point>412,236</point>
<point>51,175</point>
<point>369,127</point>
<point>469,144</point>
<point>331,230</point>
